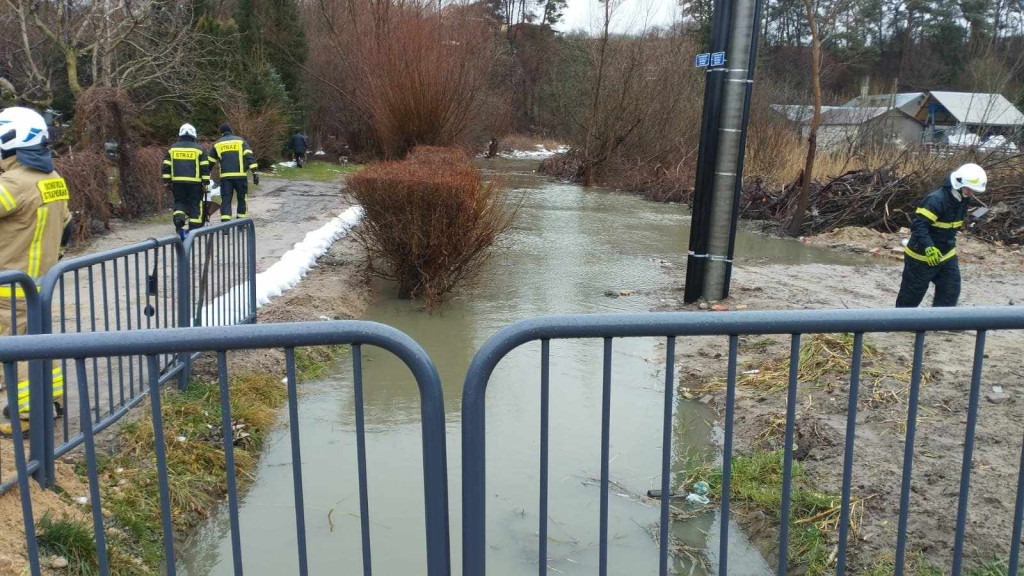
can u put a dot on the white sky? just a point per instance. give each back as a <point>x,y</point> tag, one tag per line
<point>628,15</point>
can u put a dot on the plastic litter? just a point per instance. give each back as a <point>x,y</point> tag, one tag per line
<point>698,499</point>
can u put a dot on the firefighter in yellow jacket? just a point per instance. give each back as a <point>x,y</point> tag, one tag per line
<point>186,172</point>
<point>33,217</point>
<point>235,159</point>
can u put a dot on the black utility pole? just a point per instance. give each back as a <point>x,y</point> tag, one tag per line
<point>718,183</point>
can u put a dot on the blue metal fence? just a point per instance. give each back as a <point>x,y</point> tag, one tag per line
<point>132,288</point>
<point>153,344</point>
<point>17,287</point>
<point>222,274</point>
<point>674,325</point>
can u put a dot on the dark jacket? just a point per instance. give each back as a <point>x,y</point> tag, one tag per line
<point>299,143</point>
<point>186,161</point>
<point>937,221</point>
<point>234,156</point>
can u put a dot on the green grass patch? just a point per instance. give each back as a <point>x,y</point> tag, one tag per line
<point>757,484</point>
<point>315,170</point>
<point>195,459</point>
<point>73,540</point>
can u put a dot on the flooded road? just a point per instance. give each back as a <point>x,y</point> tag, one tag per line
<point>569,247</point>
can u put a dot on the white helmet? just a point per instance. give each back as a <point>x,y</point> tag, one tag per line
<point>21,128</point>
<point>187,130</point>
<point>971,176</point>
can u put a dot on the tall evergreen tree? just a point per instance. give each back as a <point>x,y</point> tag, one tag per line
<point>273,29</point>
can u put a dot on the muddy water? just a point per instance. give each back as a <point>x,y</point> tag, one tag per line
<point>568,248</point>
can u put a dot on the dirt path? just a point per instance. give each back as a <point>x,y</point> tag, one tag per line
<point>822,409</point>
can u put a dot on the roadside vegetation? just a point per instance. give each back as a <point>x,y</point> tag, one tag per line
<point>316,170</point>
<point>430,221</point>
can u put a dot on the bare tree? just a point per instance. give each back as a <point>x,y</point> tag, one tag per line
<point>130,45</point>
<point>803,200</point>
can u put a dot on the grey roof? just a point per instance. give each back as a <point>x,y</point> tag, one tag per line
<point>982,109</point>
<point>800,113</point>
<point>830,115</point>
<point>905,100</point>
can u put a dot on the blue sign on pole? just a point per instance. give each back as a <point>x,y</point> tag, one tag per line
<point>718,59</point>
<point>703,60</point>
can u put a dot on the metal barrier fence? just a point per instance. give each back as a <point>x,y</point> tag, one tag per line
<point>154,344</point>
<point>222,274</point>
<point>18,287</point>
<point>136,287</point>
<point>732,325</point>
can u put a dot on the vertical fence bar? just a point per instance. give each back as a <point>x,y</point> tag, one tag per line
<point>117,326</point>
<point>21,469</point>
<point>227,426</point>
<point>251,262</point>
<point>908,453</point>
<point>730,411</point>
<point>161,463</point>
<point>90,460</point>
<point>1018,519</point>
<point>128,326</point>
<point>851,431</point>
<point>545,411</point>
<point>606,410</point>
<point>965,470</point>
<point>364,499</point>
<point>787,457</point>
<point>666,454</point>
<point>48,369</point>
<point>105,297</point>
<point>293,428</point>
<point>92,327</point>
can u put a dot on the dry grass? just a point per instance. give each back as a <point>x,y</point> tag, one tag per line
<point>825,364</point>
<point>429,222</point>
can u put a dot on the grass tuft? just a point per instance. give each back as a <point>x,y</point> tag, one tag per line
<point>315,170</point>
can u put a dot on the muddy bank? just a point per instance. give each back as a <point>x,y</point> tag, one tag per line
<point>881,418</point>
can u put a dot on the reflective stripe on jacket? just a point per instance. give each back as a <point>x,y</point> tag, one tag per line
<point>186,161</point>
<point>937,221</point>
<point>33,213</point>
<point>234,156</point>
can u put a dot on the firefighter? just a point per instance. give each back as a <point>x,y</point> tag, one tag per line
<point>34,218</point>
<point>930,254</point>
<point>299,147</point>
<point>186,172</point>
<point>235,158</point>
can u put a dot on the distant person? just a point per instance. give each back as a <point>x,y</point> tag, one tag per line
<point>930,255</point>
<point>186,173</point>
<point>34,217</point>
<point>236,159</point>
<point>299,145</point>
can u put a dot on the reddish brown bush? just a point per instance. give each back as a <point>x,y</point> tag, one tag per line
<point>428,226</point>
<point>88,175</point>
<point>437,155</point>
<point>421,77</point>
<point>265,128</point>
<point>144,193</point>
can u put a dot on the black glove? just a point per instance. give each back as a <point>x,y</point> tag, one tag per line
<point>256,178</point>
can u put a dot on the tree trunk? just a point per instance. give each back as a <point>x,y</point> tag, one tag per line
<point>71,65</point>
<point>812,133</point>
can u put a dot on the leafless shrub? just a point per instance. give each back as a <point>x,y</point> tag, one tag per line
<point>89,182</point>
<point>429,226</point>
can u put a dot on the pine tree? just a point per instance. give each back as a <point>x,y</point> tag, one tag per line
<point>273,28</point>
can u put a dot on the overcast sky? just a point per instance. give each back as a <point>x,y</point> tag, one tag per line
<point>629,15</point>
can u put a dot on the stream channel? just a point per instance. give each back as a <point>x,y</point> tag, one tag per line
<point>568,248</point>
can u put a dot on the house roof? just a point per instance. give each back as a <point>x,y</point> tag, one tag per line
<point>905,100</point>
<point>800,113</point>
<point>975,108</point>
<point>832,115</point>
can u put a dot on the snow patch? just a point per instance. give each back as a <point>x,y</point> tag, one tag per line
<point>284,274</point>
<point>540,153</point>
<point>288,164</point>
<point>320,153</point>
